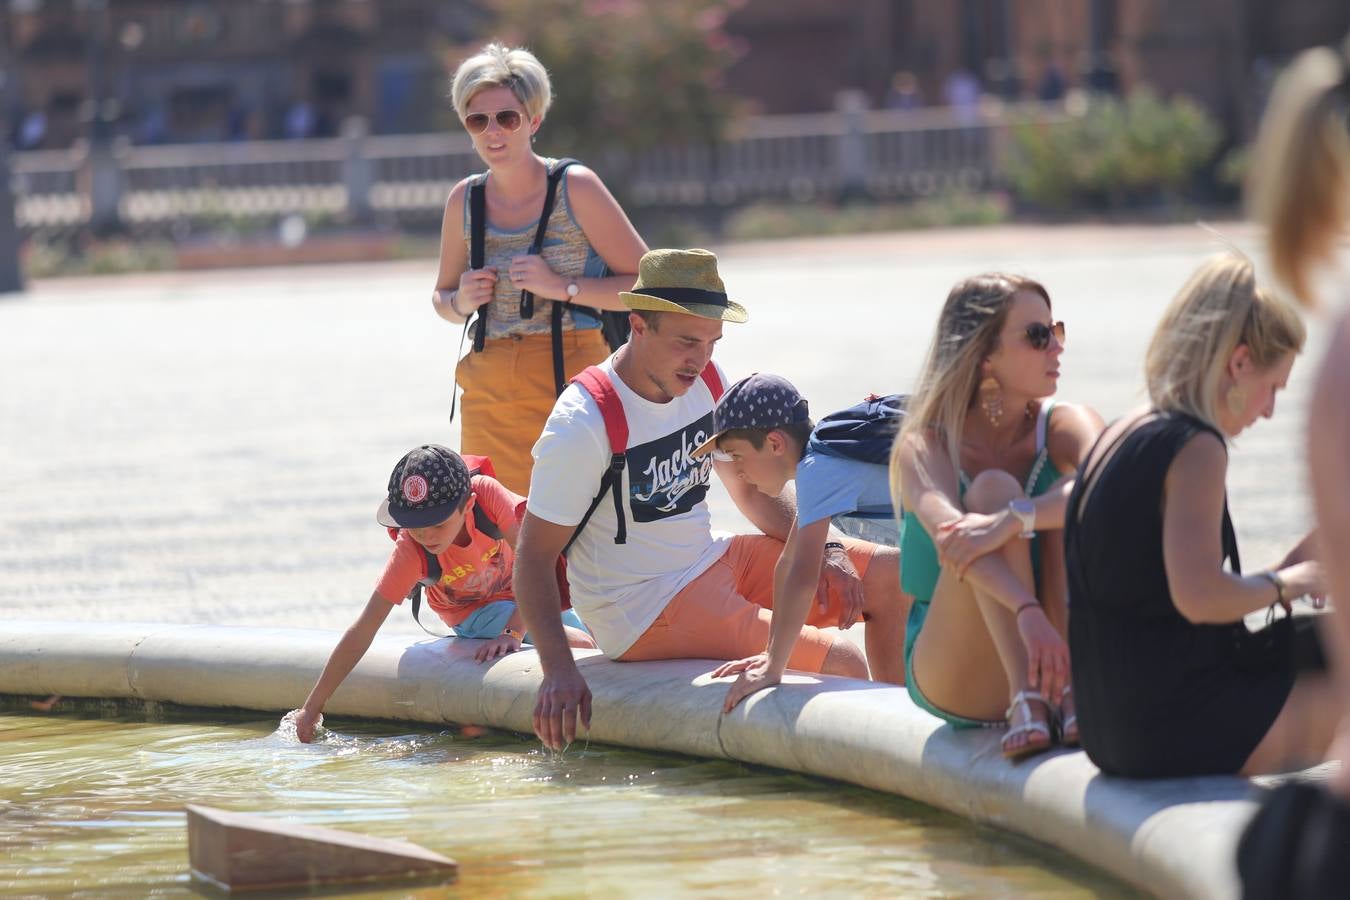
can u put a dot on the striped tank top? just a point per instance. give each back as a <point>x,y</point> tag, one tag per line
<point>567,252</point>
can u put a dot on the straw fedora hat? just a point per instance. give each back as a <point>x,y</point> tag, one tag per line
<point>682,281</point>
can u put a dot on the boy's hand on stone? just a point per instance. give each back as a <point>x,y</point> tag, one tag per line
<point>501,645</point>
<point>737,666</point>
<point>754,676</point>
<point>839,578</point>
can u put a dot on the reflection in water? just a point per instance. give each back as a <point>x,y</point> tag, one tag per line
<point>94,807</point>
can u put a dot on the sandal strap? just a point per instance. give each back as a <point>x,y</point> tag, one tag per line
<point>1027,727</point>
<point>1021,698</point>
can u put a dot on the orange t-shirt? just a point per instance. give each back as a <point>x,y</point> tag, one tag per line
<point>470,576</point>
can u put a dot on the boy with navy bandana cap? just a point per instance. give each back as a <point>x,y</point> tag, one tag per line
<point>436,507</point>
<point>762,427</point>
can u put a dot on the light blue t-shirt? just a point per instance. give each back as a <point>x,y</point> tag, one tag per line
<point>831,485</point>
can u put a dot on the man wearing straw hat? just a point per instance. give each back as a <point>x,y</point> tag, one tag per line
<point>647,574</point>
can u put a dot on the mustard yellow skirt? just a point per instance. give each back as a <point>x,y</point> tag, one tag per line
<point>508,394</point>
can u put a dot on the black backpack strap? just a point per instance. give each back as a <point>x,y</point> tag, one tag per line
<point>555,173</point>
<point>559,372</point>
<point>477,230</point>
<point>483,522</point>
<point>596,383</point>
<point>610,483</point>
<point>433,576</point>
<point>477,253</point>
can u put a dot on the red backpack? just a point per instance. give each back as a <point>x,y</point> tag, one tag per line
<point>595,382</point>
<point>478,465</point>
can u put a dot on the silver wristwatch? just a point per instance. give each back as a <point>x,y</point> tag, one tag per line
<point>1025,511</point>
<point>572,290</point>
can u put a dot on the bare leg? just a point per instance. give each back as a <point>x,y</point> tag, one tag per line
<point>969,658</point>
<point>578,638</point>
<point>958,658</point>
<point>1054,597</point>
<point>1301,734</point>
<point>991,492</point>
<point>885,608</point>
<point>844,658</point>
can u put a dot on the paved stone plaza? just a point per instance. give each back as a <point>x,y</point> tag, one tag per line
<point>212,447</point>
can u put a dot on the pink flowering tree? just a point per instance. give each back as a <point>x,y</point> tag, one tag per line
<point>628,75</point>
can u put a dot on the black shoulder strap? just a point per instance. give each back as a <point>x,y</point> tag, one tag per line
<point>610,483</point>
<point>483,522</point>
<point>433,576</point>
<point>595,382</point>
<point>555,173</point>
<point>477,254</point>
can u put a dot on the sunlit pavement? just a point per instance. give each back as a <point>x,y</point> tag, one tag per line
<point>212,447</point>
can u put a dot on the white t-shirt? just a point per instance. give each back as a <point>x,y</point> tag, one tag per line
<point>620,589</point>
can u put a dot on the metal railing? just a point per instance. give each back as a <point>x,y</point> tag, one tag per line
<point>852,151</point>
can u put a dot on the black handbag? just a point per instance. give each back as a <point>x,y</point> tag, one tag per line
<point>1287,642</point>
<point>1297,846</point>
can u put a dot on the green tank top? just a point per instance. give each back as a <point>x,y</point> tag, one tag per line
<point>919,569</point>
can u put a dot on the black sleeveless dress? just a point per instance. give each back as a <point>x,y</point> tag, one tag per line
<point>1158,696</point>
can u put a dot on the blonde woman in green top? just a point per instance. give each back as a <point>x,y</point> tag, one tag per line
<point>983,463</point>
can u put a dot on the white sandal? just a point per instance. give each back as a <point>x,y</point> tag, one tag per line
<point>1068,725</point>
<point>1022,701</point>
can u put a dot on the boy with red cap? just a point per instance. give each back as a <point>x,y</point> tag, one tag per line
<point>467,523</point>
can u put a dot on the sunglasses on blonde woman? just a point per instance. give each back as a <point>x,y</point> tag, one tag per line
<point>1038,334</point>
<point>508,119</point>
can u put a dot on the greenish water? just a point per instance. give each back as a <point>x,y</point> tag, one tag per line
<point>93,807</point>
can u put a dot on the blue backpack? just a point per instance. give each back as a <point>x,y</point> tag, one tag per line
<point>864,432</point>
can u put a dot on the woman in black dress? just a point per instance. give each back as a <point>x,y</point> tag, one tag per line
<point>1153,626</point>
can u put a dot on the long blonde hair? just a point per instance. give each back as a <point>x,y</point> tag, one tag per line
<point>967,332</point>
<point>1218,309</point>
<point>1299,178</point>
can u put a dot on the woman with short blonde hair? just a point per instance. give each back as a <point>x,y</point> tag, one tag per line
<point>1168,681</point>
<point>589,253</point>
<point>982,471</point>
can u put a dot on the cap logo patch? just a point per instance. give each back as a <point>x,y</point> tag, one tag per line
<point>414,489</point>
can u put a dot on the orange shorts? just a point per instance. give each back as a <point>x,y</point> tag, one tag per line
<point>725,612</point>
<point>508,394</point>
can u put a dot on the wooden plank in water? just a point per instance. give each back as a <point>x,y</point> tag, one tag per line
<point>244,852</point>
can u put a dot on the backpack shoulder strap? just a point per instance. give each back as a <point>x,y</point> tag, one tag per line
<point>477,251</point>
<point>477,219</point>
<point>712,380</point>
<point>595,382</point>
<point>555,173</point>
<point>432,566</point>
<point>481,520</point>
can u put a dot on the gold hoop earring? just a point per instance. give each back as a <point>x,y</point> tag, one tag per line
<point>991,400</point>
<point>1236,398</point>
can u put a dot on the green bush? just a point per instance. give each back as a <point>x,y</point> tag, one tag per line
<point>114,257</point>
<point>627,75</point>
<point>1118,153</point>
<point>767,221</point>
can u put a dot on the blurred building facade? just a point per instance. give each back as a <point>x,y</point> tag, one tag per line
<point>184,71</point>
<point>161,71</point>
<point>1221,52</point>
